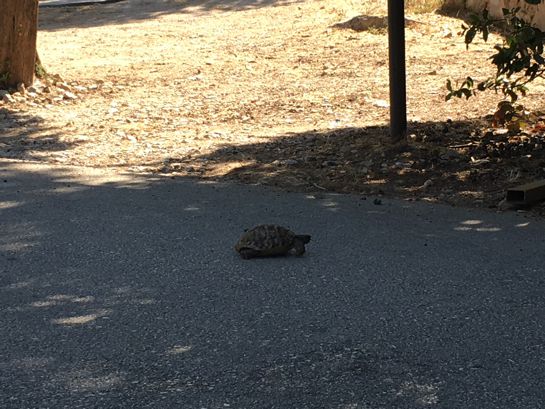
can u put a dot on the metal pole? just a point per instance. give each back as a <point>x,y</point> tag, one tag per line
<point>398,82</point>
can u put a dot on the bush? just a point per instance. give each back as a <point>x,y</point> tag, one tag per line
<point>519,60</point>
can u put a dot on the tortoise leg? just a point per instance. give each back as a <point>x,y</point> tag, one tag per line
<point>248,253</point>
<point>299,248</point>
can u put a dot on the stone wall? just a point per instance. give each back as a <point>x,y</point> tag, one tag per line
<point>533,14</point>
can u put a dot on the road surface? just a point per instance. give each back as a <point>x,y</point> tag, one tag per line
<point>125,292</point>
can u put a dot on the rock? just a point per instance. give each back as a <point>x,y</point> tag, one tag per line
<point>478,162</point>
<point>69,95</point>
<point>500,131</point>
<point>21,88</point>
<point>285,162</point>
<point>363,23</point>
<point>427,184</point>
<point>3,92</point>
<point>290,162</point>
<point>380,103</point>
<point>63,85</point>
<point>33,89</point>
<point>403,165</point>
<point>504,205</point>
<point>329,163</point>
<point>8,99</point>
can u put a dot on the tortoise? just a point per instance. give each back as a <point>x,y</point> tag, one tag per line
<point>271,240</point>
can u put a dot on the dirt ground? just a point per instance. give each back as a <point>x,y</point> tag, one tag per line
<point>264,91</point>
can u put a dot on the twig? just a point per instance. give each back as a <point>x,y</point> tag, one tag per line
<point>465,145</point>
<point>318,186</point>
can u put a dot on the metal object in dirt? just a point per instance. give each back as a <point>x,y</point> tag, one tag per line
<point>526,194</point>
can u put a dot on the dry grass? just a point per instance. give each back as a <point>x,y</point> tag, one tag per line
<point>264,94</point>
<point>378,7</point>
<point>423,6</point>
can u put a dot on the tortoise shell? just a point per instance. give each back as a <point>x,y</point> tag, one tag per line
<point>270,240</point>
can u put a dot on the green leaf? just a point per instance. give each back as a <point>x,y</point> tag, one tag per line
<point>466,92</point>
<point>485,33</point>
<point>470,35</point>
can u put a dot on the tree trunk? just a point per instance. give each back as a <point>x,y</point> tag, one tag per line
<point>18,30</point>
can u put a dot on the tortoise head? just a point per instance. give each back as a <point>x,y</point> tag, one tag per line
<point>299,242</point>
<point>305,238</point>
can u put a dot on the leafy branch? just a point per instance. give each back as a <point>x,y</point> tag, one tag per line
<point>519,60</point>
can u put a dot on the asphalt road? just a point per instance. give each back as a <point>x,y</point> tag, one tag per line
<point>127,293</point>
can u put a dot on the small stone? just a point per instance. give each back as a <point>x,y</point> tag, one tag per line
<point>427,184</point>
<point>21,88</point>
<point>3,92</point>
<point>403,165</point>
<point>290,162</point>
<point>329,163</point>
<point>504,205</point>
<point>63,85</point>
<point>33,89</point>
<point>7,98</point>
<point>70,95</point>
